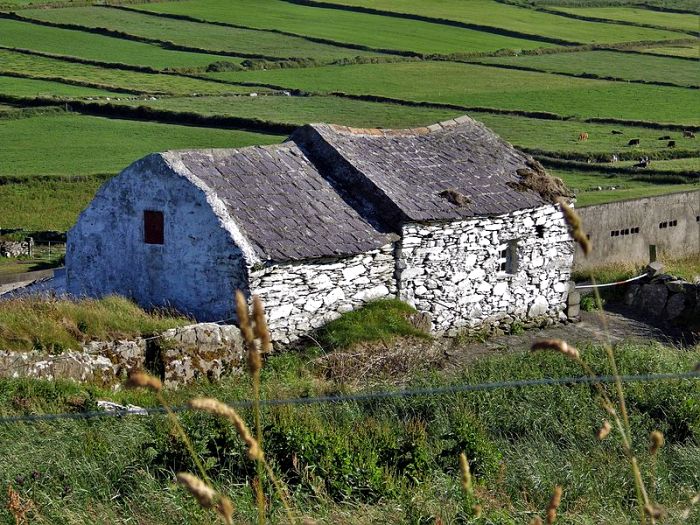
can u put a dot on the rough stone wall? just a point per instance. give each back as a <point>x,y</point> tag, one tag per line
<point>179,356</point>
<point>196,270</point>
<point>624,231</point>
<point>451,270</point>
<point>301,296</point>
<point>663,297</point>
<point>16,248</point>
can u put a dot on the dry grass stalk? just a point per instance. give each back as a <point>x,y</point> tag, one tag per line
<point>554,505</point>
<point>558,345</point>
<point>16,507</point>
<point>536,521</point>
<point>243,318</point>
<point>654,512</point>
<point>206,496</point>
<point>216,407</point>
<point>261,330</point>
<point>604,430</point>
<point>693,501</point>
<point>657,441</point>
<point>144,380</point>
<point>575,226</point>
<point>466,474</point>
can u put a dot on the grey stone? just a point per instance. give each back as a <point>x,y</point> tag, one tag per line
<point>674,306</point>
<point>653,298</point>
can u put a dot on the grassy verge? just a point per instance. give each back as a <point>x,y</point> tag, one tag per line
<point>392,461</point>
<point>42,258</point>
<point>56,325</point>
<point>687,268</point>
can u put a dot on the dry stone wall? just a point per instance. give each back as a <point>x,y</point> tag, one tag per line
<point>299,297</point>
<point>451,270</point>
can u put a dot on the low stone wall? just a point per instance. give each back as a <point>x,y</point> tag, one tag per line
<point>16,248</point>
<point>453,271</point>
<point>670,300</point>
<point>304,296</point>
<point>179,356</point>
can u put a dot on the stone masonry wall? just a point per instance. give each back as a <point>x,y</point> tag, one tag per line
<point>451,270</point>
<point>301,296</point>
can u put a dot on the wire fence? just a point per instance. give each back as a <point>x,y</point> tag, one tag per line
<point>365,397</point>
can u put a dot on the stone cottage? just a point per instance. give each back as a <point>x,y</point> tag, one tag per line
<point>449,218</point>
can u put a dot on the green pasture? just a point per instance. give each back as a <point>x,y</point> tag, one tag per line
<point>684,164</point>
<point>45,205</point>
<point>686,5</point>
<point>683,21</point>
<point>194,34</point>
<point>586,184</point>
<point>59,41</point>
<point>71,144</point>
<point>25,87</point>
<point>514,18</point>
<point>557,136</point>
<point>678,50</point>
<point>346,27</point>
<point>610,64</point>
<point>473,85</point>
<point>303,110</point>
<point>113,78</point>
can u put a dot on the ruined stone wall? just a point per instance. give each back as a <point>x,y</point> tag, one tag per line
<point>451,270</point>
<point>301,296</point>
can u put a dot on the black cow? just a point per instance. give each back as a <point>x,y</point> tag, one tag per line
<point>633,142</point>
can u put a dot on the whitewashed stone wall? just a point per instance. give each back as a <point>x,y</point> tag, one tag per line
<point>450,270</point>
<point>299,297</point>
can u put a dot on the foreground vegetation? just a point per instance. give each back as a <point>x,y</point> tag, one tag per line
<point>57,325</point>
<point>390,460</point>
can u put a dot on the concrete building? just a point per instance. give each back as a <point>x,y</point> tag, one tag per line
<point>640,230</point>
<point>449,218</point>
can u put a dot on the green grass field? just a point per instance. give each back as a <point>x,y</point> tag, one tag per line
<point>499,15</point>
<point>641,16</point>
<point>684,5</point>
<point>193,34</point>
<point>59,41</point>
<point>681,50</point>
<point>112,78</point>
<point>474,85</point>
<point>81,145</point>
<point>302,110</point>
<point>374,31</point>
<point>25,87</point>
<point>610,64</point>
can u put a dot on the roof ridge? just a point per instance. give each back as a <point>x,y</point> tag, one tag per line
<point>398,132</point>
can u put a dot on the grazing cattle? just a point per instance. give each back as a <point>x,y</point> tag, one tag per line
<point>671,144</point>
<point>633,142</point>
<point>643,163</point>
<point>614,158</point>
<point>688,134</point>
<point>665,137</point>
<point>617,132</point>
<point>583,136</point>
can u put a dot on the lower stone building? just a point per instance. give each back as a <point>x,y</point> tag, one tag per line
<point>449,218</point>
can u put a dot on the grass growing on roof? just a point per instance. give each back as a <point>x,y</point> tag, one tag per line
<point>382,320</point>
<point>59,41</point>
<point>194,34</point>
<point>473,85</point>
<point>346,27</point>
<point>58,325</point>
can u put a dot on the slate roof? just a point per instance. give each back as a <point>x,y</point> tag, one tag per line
<point>283,206</point>
<point>413,167</point>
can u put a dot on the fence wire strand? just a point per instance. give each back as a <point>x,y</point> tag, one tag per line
<point>363,397</point>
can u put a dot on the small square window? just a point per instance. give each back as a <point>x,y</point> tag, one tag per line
<point>540,231</point>
<point>508,258</point>
<point>627,231</point>
<point>153,227</point>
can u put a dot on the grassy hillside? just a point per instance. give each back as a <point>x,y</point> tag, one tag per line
<point>189,62</point>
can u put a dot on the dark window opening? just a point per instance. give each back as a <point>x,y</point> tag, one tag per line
<point>540,230</point>
<point>153,230</point>
<point>697,218</point>
<point>663,225</point>
<point>674,222</point>
<point>508,258</point>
